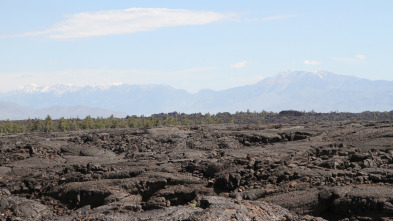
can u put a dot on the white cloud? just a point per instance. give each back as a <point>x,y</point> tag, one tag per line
<point>311,62</point>
<point>356,58</point>
<point>132,20</point>
<point>241,64</point>
<point>361,56</point>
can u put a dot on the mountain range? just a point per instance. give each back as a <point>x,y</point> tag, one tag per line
<point>320,91</point>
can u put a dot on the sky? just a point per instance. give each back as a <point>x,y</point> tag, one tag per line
<point>191,45</point>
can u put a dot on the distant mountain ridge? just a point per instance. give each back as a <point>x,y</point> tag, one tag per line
<point>321,91</point>
<point>12,111</point>
<point>60,88</point>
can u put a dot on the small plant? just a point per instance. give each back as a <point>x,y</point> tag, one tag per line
<point>194,203</point>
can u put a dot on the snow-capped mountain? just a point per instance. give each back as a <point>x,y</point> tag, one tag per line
<point>321,91</point>
<point>60,89</point>
<point>56,89</point>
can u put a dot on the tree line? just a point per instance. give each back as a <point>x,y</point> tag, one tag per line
<point>48,124</point>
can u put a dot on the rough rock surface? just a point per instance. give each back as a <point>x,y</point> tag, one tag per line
<point>334,171</point>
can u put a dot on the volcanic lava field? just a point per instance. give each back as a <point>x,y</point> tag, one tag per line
<point>330,170</point>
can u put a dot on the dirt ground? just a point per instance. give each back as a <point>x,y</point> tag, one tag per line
<point>316,171</point>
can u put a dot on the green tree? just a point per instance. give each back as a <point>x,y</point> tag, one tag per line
<point>19,127</point>
<point>208,118</point>
<point>29,124</point>
<point>176,119</point>
<point>122,123</point>
<point>99,123</point>
<point>36,125</point>
<point>169,120</point>
<point>73,123</point>
<point>186,121</point>
<point>216,119</point>
<point>63,125</point>
<point>233,120</point>
<point>112,122</point>
<point>9,127</point>
<point>87,123</point>
<point>2,127</point>
<point>132,122</point>
<point>48,124</point>
<point>147,123</point>
<point>157,121</point>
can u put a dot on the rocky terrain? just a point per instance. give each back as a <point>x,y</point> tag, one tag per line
<point>315,171</point>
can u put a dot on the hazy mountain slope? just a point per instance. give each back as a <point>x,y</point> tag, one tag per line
<point>14,111</point>
<point>80,111</point>
<point>11,111</point>
<point>320,91</point>
<point>134,99</point>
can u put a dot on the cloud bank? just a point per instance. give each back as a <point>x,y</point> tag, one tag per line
<point>132,20</point>
<point>356,58</point>
<point>241,64</point>
<point>361,57</point>
<point>311,62</point>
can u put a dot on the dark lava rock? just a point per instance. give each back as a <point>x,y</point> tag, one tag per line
<point>13,207</point>
<point>331,170</point>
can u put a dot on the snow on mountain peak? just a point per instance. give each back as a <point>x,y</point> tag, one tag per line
<point>321,73</point>
<point>60,89</point>
<point>299,74</point>
<point>105,86</point>
<point>32,88</point>
<point>56,89</point>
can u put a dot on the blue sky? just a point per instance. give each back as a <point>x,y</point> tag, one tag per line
<point>190,45</point>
